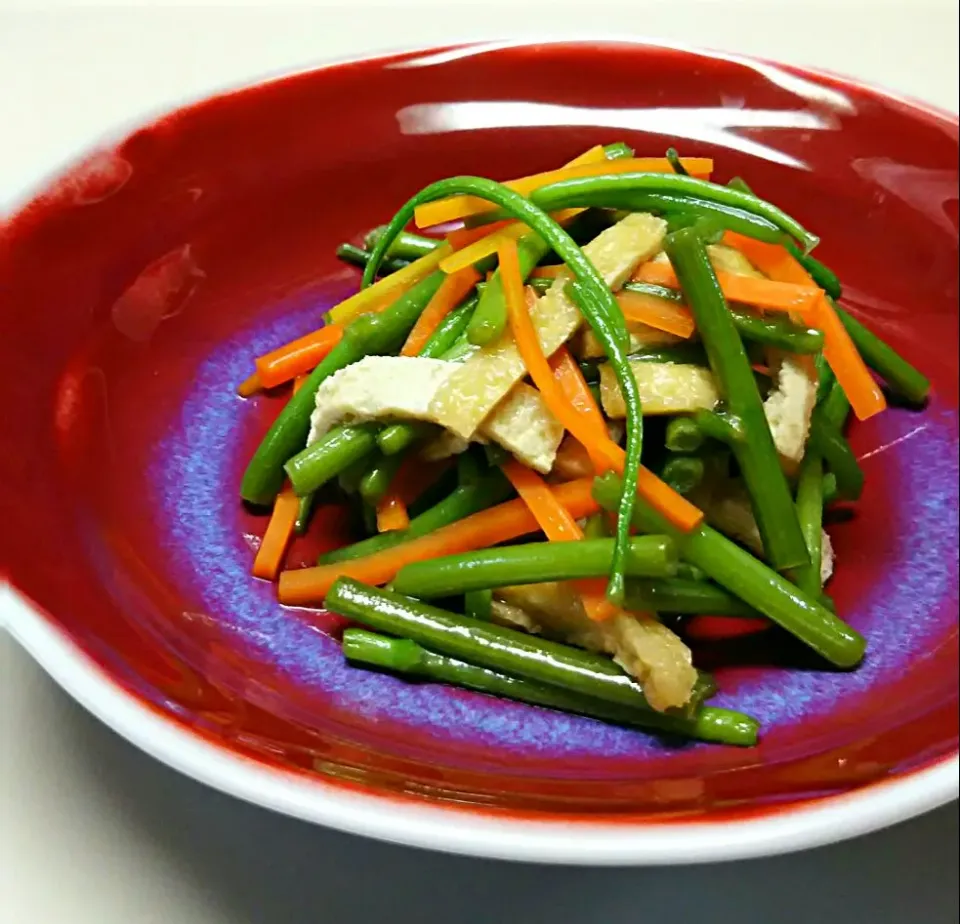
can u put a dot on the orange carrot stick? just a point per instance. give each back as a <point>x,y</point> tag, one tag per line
<point>574,387</point>
<point>843,357</point>
<point>452,291</point>
<point>301,355</point>
<point>480,531</point>
<point>558,526</point>
<point>551,516</point>
<point>249,386</point>
<point>660,313</point>
<point>764,293</point>
<point>280,529</point>
<point>455,207</point>
<point>277,537</point>
<point>840,352</point>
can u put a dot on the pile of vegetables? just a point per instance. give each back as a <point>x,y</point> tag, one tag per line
<point>600,417</point>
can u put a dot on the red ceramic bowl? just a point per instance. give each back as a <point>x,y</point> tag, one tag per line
<point>136,289</point>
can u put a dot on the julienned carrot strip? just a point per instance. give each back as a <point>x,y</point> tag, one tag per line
<point>249,386</point>
<point>298,356</point>
<point>413,478</point>
<point>657,312</point>
<point>843,357</point>
<point>280,529</point>
<point>455,207</point>
<point>452,291</point>
<point>558,526</point>
<point>840,352</point>
<point>480,531</point>
<point>389,288</point>
<point>574,387</point>
<point>551,516</point>
<point>277,537</point>
<point>577,392</point>
<point>607,454</point>
<point>764,293</point>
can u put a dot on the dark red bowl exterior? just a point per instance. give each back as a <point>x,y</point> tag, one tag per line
<point>137,288</point>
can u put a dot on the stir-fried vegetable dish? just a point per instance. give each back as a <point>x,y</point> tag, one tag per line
<point>581,421</point>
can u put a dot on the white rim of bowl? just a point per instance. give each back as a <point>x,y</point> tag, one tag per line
<point>453,830</point>
<point>400,820</point>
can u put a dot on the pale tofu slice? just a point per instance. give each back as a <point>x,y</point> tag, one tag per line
<point>789,408</point>
<point>378,388</point>
<point>827,558</point>
<point>522,423</point>
<point>484,380</point>
<point>665,388</point>
<point>403,388</point>
<point>644,647</point>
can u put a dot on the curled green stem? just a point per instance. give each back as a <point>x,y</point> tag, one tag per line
<point>592,296</point>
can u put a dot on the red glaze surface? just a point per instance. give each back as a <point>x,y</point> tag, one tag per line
<point>124,280</point>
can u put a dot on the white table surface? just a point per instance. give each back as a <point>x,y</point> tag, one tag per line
<point>94,832</point>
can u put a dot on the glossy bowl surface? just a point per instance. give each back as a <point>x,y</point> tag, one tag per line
<point>137,287</point>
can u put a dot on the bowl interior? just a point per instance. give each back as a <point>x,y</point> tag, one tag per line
<point>139,286</point>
